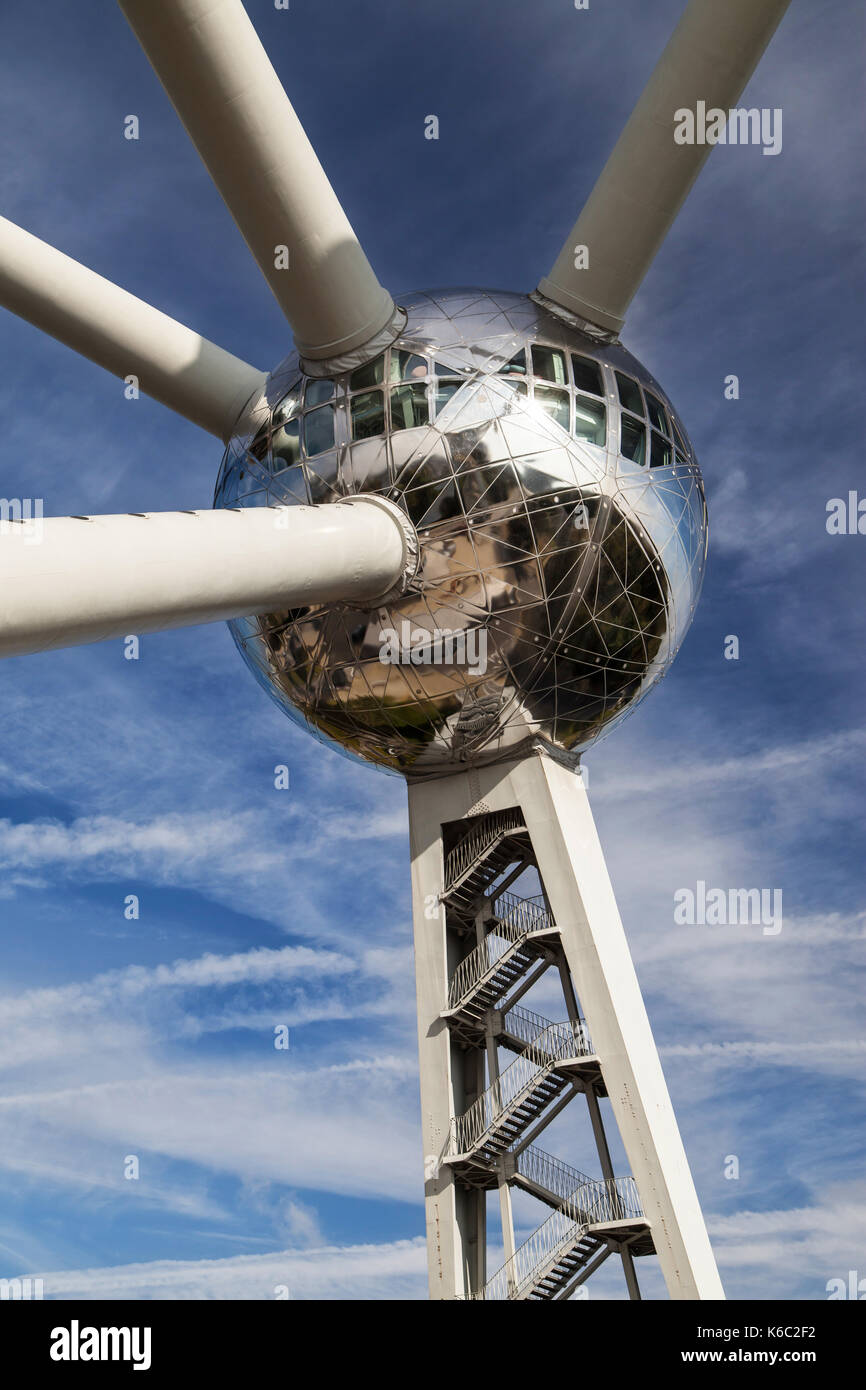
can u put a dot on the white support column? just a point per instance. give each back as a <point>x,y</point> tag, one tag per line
<point>448,1232</point>
<point>128,337</point>
<point>69,580</point>
<point>571,863</point>
<point>713,52</point>
<point>220,80</point>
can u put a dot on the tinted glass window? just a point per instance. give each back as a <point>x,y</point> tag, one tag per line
<point>371,374</point>
<point>319,430</point>
<point>368,414</point>
<point>407,366</point>
<point>587,375</point>
<point>657,413</point>
<point>590,421</point>
<point>444,391</point>
<point>409,406</point>
<point>554,403</point>
<point>286,444</point>
<point>548,364</point>
<point>678,436</point>
<point>318,392</point>
<point>632,439</point>
<point>660,451</point>
<point>629,394</point>
<point>516,367</point>
<point>288,406</point>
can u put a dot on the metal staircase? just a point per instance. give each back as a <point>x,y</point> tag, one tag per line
<point>500,1117</point>
<point>492,844</point>
<point>492,1144</point>
<point>572,1242</point>
<point>520,930</point>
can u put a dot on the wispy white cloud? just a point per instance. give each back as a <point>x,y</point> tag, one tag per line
<point>395,1270</point>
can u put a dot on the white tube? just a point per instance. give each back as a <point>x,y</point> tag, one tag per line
<point>713,52</point>
<point>220,80</point>
<point>123,334</point>
<point>69,580</point>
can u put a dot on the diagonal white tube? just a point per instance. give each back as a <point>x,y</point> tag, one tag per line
<point>711,56</point>
<point>172,364</point>
<point>220,80</point>
<point>65,581</point>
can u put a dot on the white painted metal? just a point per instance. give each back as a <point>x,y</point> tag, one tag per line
<point>711,56</point>
<point>454,1268</point>
<point>220,80</point>
<point>69,580</point>
<point>556,810</point>
<point>123,334</point>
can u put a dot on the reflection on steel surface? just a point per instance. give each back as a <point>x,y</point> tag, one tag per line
<point>561,519</point>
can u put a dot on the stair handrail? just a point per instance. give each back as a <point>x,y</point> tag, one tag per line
<point>537,1253</point>
<point>515,919</point>
<point>537,1060</point>
<point>477,840</point>
<point>551,1173</point>
<point>591,1204</point>
<point>527,1027</point>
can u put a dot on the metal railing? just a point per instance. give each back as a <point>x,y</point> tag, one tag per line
<point>516,918</point>
<point>472,847</point>
<point>601,1202</point>
<point>527,1027</point>
<point>538,1059</point>
<point>534,1257</point>
<point>551,1173</point>
<point>527,914</point>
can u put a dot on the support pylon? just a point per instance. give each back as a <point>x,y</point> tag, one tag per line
<point>481,942</point>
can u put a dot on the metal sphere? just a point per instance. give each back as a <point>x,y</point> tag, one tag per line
<point>562,527</point>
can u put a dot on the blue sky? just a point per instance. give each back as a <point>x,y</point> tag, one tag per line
<point>154,1036</point>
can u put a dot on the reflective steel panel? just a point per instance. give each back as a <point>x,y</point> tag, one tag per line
<point>558,574</point>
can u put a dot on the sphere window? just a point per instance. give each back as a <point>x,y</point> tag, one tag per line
<point>409,406</point>
<point>657,413</point>
<point>549,365</point>
<point>629,394</point>
<point>587,375</point>
<point>660,451</point>
<point>516,367</point>
<point>319,430</point>
<point>555,403</point>
<point>445,389</point>
<point>371,374</point>
<point>288,406</point>
<point>286,444</point>
<point>590,421</point>
<point>632,439</point>
<point>679,439</point>
<point>318,392</point>
<point>368,415</point>
<point>407,366</point>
